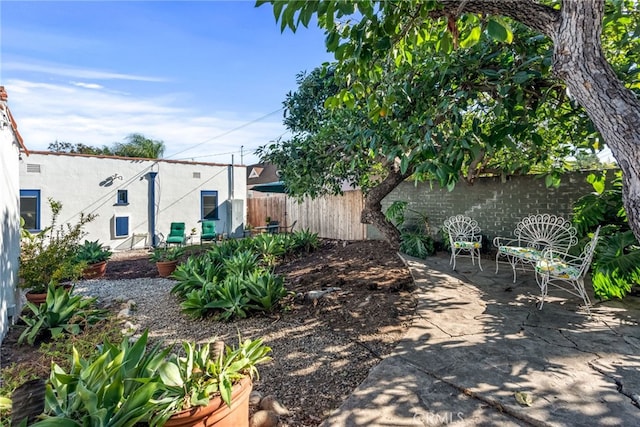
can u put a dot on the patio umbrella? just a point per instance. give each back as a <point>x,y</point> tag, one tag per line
<point>270,187</point>
<point>274,187</point>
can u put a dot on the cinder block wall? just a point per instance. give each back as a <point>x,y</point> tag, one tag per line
<point>496,205</point>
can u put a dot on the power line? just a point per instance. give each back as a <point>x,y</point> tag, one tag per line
<point>244,125</point>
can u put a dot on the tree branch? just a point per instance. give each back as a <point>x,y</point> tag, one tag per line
<point>530,13</point>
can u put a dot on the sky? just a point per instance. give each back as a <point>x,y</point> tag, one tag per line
<point>207,78</point>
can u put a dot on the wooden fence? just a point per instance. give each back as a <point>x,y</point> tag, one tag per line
<point>332,217</point>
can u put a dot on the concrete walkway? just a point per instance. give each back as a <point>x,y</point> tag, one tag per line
<point>478,342</point>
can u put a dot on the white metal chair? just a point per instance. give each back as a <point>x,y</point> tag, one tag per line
<point>464,237</point>
<point>534,234</point>
<point>565,271</point>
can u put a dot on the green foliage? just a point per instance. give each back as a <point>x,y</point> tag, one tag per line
<point>113,388</point>
<point>49,256</point>
<point>163,254</point>
<point>270,247</point>
<point>192,379</point>
<point>233,279</point>
<point>616,264</point>
<point>416,239</point>
<point>92,252</point>
<point>136,145</point>
<point>264,290</point>
<point>305,241</point>
<point>61,313</point>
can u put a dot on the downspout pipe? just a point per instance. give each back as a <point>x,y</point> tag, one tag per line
<point>151,176</point>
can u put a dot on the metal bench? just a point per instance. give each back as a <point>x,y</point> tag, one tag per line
<point>534,234</point>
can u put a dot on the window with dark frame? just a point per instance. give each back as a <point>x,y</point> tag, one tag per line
<point>209,205</point>
<point>121,226</point>
<point>30,209</point>
<point>122,197</point>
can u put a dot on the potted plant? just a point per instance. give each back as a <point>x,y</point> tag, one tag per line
<point>166,259</point>
<point>209,387</point>
<point>49,256</point>
<point>95,255</point>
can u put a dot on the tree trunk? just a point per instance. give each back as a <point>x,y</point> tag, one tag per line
<point>614,109</point>
<point>579,61</point>
<point>372,211</point>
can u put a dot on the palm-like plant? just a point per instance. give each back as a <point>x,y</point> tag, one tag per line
<point>616,265</point>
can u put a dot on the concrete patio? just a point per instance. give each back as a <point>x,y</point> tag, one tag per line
<point>478,344</point>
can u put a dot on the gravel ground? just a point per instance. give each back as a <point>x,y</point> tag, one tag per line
<point>321,351</point>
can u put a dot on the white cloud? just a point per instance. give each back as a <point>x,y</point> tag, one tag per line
<point>74,113</point>
<point>87,85</point>
<point>79,73</point>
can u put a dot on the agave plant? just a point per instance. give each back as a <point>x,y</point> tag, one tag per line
<point>265,290</point>
<point>115,388</point>
<point>60,313</point>
<point>194,378</point>
<point>270,248</point>
<point>241,264</point>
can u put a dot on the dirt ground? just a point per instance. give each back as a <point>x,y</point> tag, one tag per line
<point>350,328</point>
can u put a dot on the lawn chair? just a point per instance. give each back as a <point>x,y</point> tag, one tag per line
<point>177,234</point>
<point>208,231</point>
<point>565,271</point>
<point>464,236</point>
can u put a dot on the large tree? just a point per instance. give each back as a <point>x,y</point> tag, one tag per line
<point>575,27</point>
<point>452,117</point>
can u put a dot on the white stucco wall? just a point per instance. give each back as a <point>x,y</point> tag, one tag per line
<point>10,216</point>
<point>89,184</point>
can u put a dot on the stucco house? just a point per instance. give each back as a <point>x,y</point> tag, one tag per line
<point>12,149</point>
<point>136,199</point>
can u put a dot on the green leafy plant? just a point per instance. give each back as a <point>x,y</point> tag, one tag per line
<point>49,256</point>
<point>116,387</point>
<point>265,290</point>
<point>61,313</point>
<point>305,241</point>
<point>270,247</point>
<point>92,252</point>
<point>200,374</point>
<point>167,254</point>
<point>616,264</point>
<point>230,299</point>
<point>415,238</point>
<point>195,274</point>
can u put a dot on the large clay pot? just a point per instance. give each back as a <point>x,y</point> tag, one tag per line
<point>36,298</point>
<point>94,271</point>
<point>165,268</point>
<point>217,413</point>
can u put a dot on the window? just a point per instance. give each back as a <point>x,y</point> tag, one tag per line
<point>30,209</point>
<point>121,226</point>
<point>209,204</point>
<point>122,197</point>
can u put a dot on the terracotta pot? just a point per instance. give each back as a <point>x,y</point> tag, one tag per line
<point>165,268</point>
<point>36,298</point>
<point>94,271</point>
<point>217,413</point>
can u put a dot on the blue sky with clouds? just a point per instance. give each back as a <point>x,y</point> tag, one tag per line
<point>196,75</point>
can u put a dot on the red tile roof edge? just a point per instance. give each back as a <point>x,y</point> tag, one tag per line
<point>14,125</point>
<point>103,156</point>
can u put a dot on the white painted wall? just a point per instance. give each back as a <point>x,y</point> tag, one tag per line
<point>89,184</point>
<point>10,216</point>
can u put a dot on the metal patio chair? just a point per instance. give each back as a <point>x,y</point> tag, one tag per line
<point>565,271</point>
<point>464,237</point>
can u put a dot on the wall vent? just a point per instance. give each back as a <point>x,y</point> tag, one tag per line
<point>196,175</point>
<point>33,168</point>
